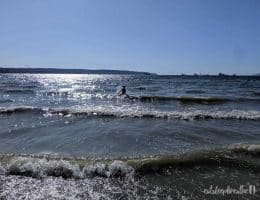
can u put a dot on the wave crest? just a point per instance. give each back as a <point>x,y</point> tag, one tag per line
<point>119,112</point>
<point>22,91</point>
<point>196,100</point>
<point>42,167</point>
<point>22,109</point>
<point>235,156</point>
<point>5,101</point>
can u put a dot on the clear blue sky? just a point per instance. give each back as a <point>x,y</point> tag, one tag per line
<point>162,36</point>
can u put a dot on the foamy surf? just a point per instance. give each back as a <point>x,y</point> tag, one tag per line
<point>38,166</point>
<point>102,111</point>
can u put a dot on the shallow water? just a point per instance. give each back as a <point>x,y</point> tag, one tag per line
<point>72,116</point>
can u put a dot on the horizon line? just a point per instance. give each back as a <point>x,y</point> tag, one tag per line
<point>122,70</point>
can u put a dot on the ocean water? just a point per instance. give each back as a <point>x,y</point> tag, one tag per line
<point>68,136</point>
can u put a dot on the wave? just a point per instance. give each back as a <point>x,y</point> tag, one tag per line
<point>5,101</point>
<point>57,93</point>
<point>195,91</point>
<point>196,100</point>
<point>186,115</point>
<point>22,91</point>
<point>235,156</point>
<point>256,93</point>
<point>24,109</point>
<point>42,166</point>
<point>245,156</point>
<point>140,88</point>
<point>185,100</point>
<point>120,113</point>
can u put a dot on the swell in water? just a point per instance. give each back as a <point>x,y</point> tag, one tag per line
<point>20,91</point>
<point>37,166</point>
<point>256,93</point>
<point>108,112</point>
<point>207,100</point>
<point>195,91</point>
<point>197,100</point>
<point>5,101</point>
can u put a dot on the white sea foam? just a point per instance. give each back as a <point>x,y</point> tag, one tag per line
<point>58,188</point>
<point>250,148</point>
<point>145,113</point>
<point>138,112</point>
<point>116,168</point>
<point>95,169</point>
<point>36,167</point>
<point>254,148</point>
<point>41,167</point>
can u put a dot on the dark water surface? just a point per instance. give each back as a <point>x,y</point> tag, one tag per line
<point>70,137</point>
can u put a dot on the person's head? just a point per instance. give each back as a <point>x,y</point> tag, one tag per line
<point>123,87</point>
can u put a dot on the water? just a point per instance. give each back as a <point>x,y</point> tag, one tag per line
<point>66,136</point>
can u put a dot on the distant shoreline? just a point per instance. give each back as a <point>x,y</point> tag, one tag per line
<point>67,71</point>
<point>6,70</point>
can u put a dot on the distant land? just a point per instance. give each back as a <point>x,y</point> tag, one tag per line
<point>68,71</point>
<point>30,70</point>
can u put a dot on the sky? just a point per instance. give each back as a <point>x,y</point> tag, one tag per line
<point>160,36</point>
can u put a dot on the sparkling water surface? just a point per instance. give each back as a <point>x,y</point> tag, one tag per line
<point>72,116</point>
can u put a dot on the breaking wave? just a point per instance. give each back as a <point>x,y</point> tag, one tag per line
<point>42,167</point>
<point>38,166</point>
<point>119,112</point>
<point>196,100</point>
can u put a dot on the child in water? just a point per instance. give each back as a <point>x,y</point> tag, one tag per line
<point>122,91</point>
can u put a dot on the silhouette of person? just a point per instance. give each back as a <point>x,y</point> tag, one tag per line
<point>122,91</point>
